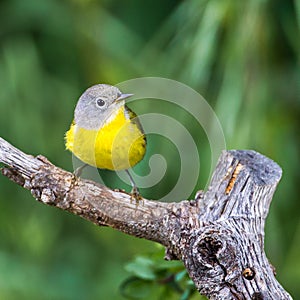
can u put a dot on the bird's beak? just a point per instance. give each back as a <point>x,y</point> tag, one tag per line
<point>123,96</point>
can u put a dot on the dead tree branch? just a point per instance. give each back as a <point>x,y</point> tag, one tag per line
<point>219,237</point>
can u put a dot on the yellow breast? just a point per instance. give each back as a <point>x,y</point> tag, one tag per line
<point>119,144</point>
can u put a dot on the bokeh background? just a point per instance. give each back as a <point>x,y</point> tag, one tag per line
<point>242,56</point>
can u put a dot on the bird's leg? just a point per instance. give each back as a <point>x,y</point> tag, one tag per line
<point>135,193</point>
<point>79,170</point>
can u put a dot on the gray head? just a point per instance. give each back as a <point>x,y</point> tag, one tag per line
<point>97,104</point>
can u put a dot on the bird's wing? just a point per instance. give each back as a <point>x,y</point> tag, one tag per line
<point>134,118</point>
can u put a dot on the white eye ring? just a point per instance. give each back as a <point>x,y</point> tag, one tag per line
<point>100,102</point>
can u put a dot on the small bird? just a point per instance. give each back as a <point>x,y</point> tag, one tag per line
<point>105,133</point>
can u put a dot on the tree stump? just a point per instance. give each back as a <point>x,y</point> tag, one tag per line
<point>219,236</point>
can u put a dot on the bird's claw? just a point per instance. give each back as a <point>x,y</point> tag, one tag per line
<point>135,195</point>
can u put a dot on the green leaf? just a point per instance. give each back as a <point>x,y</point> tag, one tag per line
<point>141,267</point>
<point>136,288</point>
<point>179,276</point>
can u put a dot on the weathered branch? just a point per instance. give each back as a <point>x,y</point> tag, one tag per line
<point>219,237</point>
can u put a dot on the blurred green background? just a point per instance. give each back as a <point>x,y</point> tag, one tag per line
<point>243,57</point>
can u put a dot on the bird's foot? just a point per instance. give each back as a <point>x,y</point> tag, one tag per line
<point>135,195</point>
<point>78,171</point>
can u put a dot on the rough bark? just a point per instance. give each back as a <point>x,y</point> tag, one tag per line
<point>219,236</point>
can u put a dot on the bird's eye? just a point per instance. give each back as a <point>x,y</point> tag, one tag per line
<point>100,102</point>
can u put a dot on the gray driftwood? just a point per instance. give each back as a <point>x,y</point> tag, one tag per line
<point>219,236</point>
